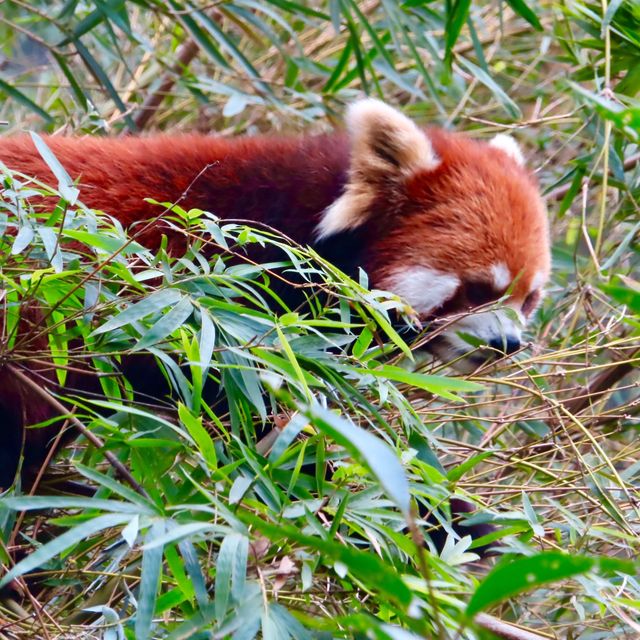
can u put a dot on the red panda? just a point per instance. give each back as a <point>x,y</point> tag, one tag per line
<point>446,222</point>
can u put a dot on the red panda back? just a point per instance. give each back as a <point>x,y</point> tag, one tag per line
<point>283,182</point>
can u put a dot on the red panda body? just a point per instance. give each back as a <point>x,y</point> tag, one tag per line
<point>444,221</point>
<point>285,183</point>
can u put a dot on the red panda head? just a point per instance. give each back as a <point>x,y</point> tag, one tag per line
<point>451,224</point>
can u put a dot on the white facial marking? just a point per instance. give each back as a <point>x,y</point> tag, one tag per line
<point>508,144</point>
<point>488,325</point>
<point>423,288</point>
<point>538,281</point>
<point>501,324</point>
<point>501,276</point>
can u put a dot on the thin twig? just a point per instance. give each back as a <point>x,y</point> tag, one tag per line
<point>42,393</point>
<point>32,491</point>
<point>506,630</point>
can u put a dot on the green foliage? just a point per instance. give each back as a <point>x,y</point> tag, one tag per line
<point>235,528</point>
<point>524,574</point>
<point>199,318</point>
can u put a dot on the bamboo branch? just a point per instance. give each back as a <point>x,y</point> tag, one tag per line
<point>186,53</point>
<point>602,382</point>
<point>91,437</point>
<point>506,630</point>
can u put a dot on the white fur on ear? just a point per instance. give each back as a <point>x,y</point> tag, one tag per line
<point>509,145</point>
<point>384,138</point>
<point>347,212</point>
<point>386,147</point>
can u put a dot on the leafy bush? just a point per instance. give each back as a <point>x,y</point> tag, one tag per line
<point>227,521</point>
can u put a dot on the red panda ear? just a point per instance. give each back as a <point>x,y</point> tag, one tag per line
<point>386,147</point>
<point>509,145</point>
<point>386,143</point>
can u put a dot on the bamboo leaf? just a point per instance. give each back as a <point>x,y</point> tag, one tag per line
<point>166,325</point>
<point>525,574</point>
<point>65,184</point>
<point>507,103</point>
<point>376,455</point>
<point>18,96</point>
<point>153,303</point>
<point>524,10</point>
<point>149,581</point>
<point>457,12</point>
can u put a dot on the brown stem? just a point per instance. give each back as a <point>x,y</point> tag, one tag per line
<point>91,437</point>
<point>186,53</point>
<point>54,445</point>
<point>602,382</point>
<point>506,630</point>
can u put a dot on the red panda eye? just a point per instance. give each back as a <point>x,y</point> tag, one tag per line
<point>530,302</point>
<point>479,293</point>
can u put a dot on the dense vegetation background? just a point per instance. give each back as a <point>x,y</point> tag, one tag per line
<point>215,532</point>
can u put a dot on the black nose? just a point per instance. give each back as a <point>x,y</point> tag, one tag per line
<point>505,344</point>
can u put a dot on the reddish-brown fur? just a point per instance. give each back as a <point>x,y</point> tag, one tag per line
<point>288,182</point>
<point>476,208</point>
<point>473,219</point>
<point>283,182</point>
